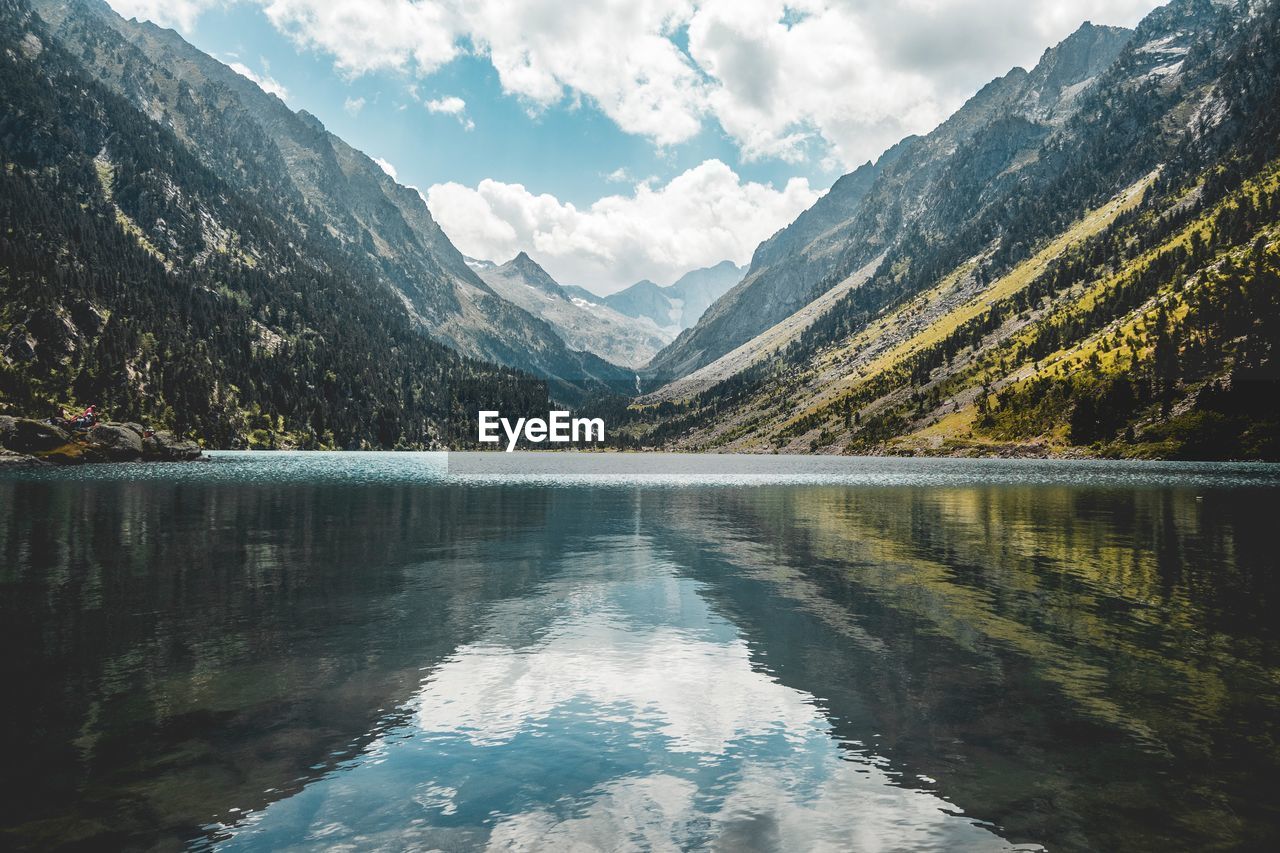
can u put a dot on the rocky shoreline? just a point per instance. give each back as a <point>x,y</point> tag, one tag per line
<point>31,443</point>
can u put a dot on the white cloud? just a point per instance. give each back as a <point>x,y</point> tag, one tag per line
<point>830,79</point>
<point>790,79</point>
<point>265,83</point>
<point>617,53</point>
<point>857,77</point>
<point>451,105</point>
<point>779,85</point>
<point>170,13</point>
<point>370,35</point>
<point>353,105</point>
<point>703,216</point>
<point>386,167</point>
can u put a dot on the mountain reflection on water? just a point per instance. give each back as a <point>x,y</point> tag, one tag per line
<point>276,652</point>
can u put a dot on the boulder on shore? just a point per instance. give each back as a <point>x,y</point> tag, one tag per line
<point>117,442</point>
<point>163,446</point>
<point>36,442</point>
<point>11,459</point>
<point>30,436</point>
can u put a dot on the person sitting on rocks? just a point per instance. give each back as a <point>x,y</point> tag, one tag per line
<point>85,419</point>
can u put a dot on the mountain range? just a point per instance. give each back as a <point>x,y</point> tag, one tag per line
<point>627,328</point>
<point>677,306</point>
<point>313,185</point>
<point>922,185</point>
<point>585,321</point>
<point>1081,259</point>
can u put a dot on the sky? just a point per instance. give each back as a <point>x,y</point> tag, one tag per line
<point>616,140</point>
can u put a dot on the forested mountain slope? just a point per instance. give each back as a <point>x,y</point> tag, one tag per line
<point>1119,292</point>
<point>136,277</point>
<point>328,195</point>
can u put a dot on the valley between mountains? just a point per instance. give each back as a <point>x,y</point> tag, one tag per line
<point>1084,259</point>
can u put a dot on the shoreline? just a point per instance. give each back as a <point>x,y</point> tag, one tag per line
<point>29,443</point>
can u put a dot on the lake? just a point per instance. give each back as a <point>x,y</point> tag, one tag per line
<point>310,651</point>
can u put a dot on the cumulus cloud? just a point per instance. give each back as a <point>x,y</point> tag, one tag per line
<point>857,77</point>
<point>617,53</point>
<point>620,54</point>
<point>386,166</point>
<point>265,83</point>
<point>837,79</point>
<point>790,79</point>
<point>451,105</point>
<point>353,105</point>
<point>371,35</point>
<point>701,217</point>
<point>169,13</point>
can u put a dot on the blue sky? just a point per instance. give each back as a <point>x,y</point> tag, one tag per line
<point>569,150</point>
<point>624,139</point>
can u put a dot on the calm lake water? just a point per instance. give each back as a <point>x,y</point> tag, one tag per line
<point>414,651</point>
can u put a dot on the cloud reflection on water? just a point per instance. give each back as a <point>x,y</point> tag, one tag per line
<point>645,707</point>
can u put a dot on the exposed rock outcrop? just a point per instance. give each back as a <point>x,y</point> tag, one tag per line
<point>25,441</point>
<point>164,447</point>
<point>25,435</point>
<point>118,442</point>
<point>11,459</point>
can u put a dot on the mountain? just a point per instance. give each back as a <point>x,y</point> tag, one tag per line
<point>313,186</point>
<point>575,292</point>
<point>678,305</point>
<point>648,301</point>
<point>923,185</point>
<point>1085,258</point>
<point>138,278</point>
<point>698,289</point>
<point>584,322</point>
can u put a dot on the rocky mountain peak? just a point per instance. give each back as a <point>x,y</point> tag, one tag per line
<point>304,177</point>
<point>1182,18</point>
<point>311,121</point>
<point>1065,70</point>
<point>523,261</point>
<point>1085,53</point>
<point>532,272</point>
